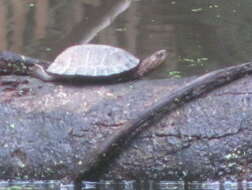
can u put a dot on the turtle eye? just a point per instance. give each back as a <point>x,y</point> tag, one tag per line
<point>162,53</point>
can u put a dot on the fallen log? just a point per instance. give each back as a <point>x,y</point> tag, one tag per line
<point>56,130</point>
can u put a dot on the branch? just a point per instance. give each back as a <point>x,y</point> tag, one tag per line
<point>196,88</point>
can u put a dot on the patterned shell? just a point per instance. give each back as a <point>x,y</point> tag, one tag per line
<point>93,61</point>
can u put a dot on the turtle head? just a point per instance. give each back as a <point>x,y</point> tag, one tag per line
<point>151,62</point>
<point>158,56</point>
<point>39,72</point>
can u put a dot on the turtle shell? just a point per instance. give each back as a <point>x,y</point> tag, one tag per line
<point>93,61</point>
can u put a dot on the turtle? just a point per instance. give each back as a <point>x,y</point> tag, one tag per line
<point>94,62</point>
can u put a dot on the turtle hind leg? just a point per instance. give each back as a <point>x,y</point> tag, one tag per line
<point>39,72</point>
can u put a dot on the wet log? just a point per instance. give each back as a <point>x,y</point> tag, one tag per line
<point>53,130</point>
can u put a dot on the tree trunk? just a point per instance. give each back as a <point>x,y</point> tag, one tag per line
<point>54,131</point>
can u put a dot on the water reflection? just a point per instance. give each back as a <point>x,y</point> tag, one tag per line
<point>199,35</point>
<point>29,185</point>
<point>128,185</point>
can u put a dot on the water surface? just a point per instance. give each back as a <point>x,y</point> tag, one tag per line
<point>199,35</point>
<point>128,185</point>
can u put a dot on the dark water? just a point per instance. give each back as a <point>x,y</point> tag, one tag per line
<point>128,185</point>
<point>200,35</point>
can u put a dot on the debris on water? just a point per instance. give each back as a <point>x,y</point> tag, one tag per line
<point>31,5</point>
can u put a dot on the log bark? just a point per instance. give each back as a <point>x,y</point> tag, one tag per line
<point>53,130</point>
<point>173,100</point>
